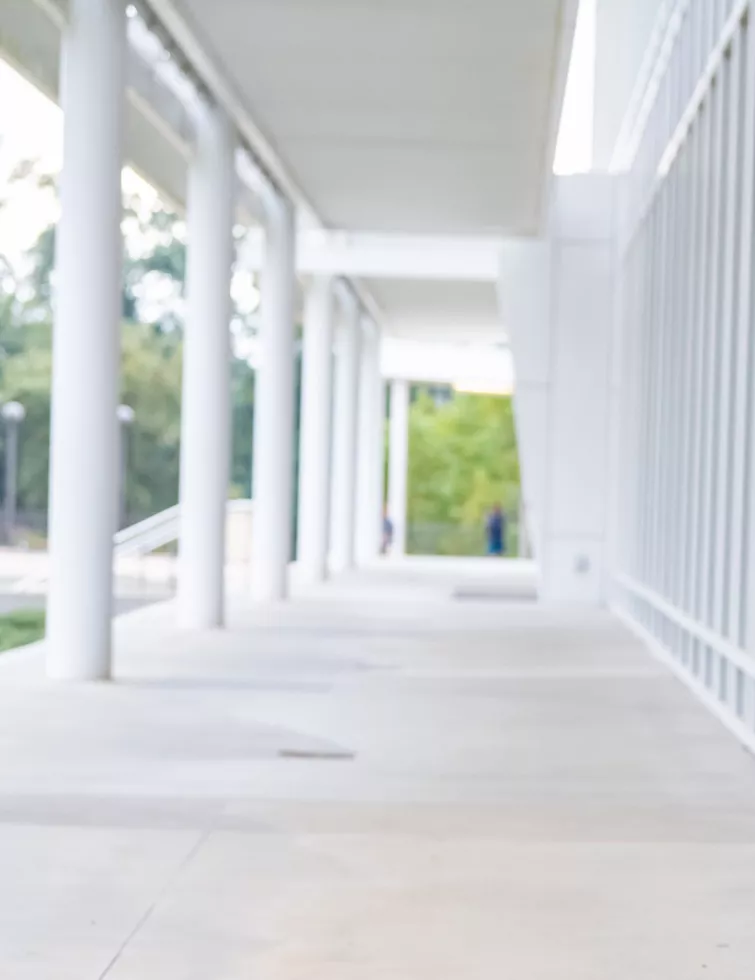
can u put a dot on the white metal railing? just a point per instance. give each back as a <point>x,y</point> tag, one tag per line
<point>724,648</point>
<point>138,540</point>
<point>649,78</point>
<point>718,672</point>
<point>679,133</point>
<point>686,515</point>
<point>722,678</point>
<point>148,535</point>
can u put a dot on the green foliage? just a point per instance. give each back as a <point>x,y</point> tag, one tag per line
<point>242,401</point>
<point>151,385</point>
<point>168,258</point>
<point>42,256</point>
<point>151,357</point>
<point>20,627</point>
<point>26,379</point>
<point>463,459</point>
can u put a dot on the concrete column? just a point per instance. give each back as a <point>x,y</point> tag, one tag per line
<point>370,448</point>
<point>557,300</point>
<point>84,428</point>
<point>315,437</point>
<point>345,414</point>
<point>398,463</point>
<point>274,411</point>
<point>205,409</point>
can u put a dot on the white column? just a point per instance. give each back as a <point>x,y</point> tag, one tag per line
<point>345,413</point>
<point>563,347</point>
<point>315,435</point>
<point>84,428</point>
<point>398,463</point>
<point>274,411</point>
<point>370,448</point>
<point>205,407</point>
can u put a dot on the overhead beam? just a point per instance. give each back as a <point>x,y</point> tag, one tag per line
<point>379,256</point>
<point>481,367</point>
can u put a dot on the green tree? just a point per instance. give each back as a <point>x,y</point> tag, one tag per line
<point>463,459</point>
<point>26,379</point>
<point>151,385</point>
<point>242,401</point>
<point>150,362</point>
<point>42,256</point>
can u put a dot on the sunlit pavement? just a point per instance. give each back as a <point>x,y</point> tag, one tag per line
<point>375,781</point>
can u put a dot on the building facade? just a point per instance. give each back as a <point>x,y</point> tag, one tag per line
<point>636,384</point>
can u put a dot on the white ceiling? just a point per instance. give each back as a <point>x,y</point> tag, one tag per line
<point>426,117</point>
<point>439,310</point>
<point>429,116</point>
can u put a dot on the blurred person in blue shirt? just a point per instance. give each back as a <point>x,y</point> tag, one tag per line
<point>495,531</point>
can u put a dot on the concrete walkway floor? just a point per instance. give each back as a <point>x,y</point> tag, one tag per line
<point>375,783</point>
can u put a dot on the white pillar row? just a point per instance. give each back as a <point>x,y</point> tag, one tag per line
<point>345,415</point>
<point>205,406</point>
<point>398,463</point>
<point>274,410</point>
<point>84,428</point>
<point>315,434</point>
<point>370,448</point>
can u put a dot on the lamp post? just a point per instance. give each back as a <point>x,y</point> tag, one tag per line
<point>126,416</point>
<point>13,414</point>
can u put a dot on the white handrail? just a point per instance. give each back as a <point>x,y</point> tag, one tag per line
<point>142,538</point>
<point>148,535</point>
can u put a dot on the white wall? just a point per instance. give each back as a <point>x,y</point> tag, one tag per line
<point>557,304</point>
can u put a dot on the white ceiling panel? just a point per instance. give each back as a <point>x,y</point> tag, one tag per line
<point>424,116</point>
<point>439,310</point>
